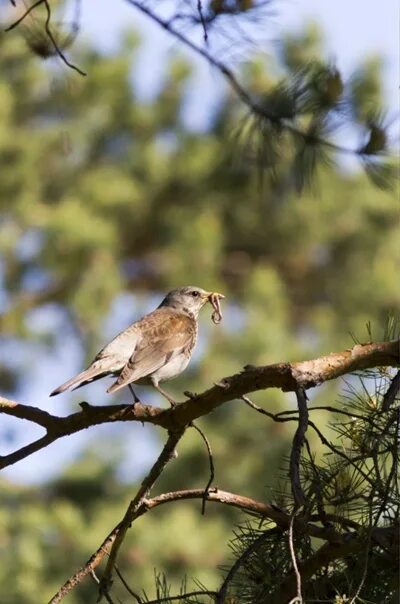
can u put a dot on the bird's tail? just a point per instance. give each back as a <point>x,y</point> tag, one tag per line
<point>93,373</point>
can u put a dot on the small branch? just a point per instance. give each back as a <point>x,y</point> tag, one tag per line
<point>316,486</point>
<point>254,105</point>
<point>25,14</point>
<point>56,46</point>
<point>246,504</point>
<point>87,569</point>
<point>298,599</point>
<point>127,587</point>
<point>31,414</point>
<point>391,393</point>
<point>135,509</point>
<point>131,513</point>
<point>211,462</point>
<point>223,591</point>
<point>189,594</point>
<point>251,506</point>
<point>202,21</point>
<point>339,452</point>
<point>326,554</point>
<point>48,31</point>
<point>274,416</point>
<point>298,442</point>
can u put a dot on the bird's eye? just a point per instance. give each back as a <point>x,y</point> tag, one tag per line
<point>195,294</point>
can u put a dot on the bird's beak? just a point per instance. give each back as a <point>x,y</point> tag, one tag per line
<point>211,295</point>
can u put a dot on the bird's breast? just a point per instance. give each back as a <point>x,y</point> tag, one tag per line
<point>173,367</point>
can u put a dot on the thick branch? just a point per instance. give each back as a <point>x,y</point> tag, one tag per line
<point>286,376</point>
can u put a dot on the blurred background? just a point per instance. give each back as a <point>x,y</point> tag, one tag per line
<point>121,185</point>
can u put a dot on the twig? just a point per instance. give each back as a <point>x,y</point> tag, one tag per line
<point>97,581</point>
<point>391,393</point>
<point>131,513</point>
<point>202,21</point>
<point>298,599</point>
<point>222,593</point>
<point>298,442</point>
<point>263,510</point>
<point>211,462</point>
<point>189,594</point>
<point>256,107</point>
<point>114,539</point>
<point>316,483</point>
<point>24,15</point>
<point>48,31</point>
<point>127,587</point>
<point>87,569</point>
<point>366,560</point>
<point>274,416</point>
<point>56,46</point>
<point>340,453</point>
<point>326,554</point>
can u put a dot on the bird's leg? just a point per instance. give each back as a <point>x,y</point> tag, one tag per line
<point>135,398</point>
<point>165,394</point>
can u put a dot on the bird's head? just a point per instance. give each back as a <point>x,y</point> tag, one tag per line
<point>189,299</point>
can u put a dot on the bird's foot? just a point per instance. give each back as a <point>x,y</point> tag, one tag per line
<point>171,401</point>
<point>136,399</point>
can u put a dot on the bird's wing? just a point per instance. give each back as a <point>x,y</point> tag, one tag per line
<point>163,335</point>
<point>111,359</point>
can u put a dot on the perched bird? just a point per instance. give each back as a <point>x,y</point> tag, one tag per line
<point>158,347</point>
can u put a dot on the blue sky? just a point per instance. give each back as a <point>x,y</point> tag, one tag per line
<point>354,29</point>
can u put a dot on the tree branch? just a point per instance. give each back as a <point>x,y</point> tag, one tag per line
<point>253,104</point>
<point>295,454</point>
<point>258,508</point>
<point>114,539</point>
<point>286,376</point>
<point>263,510</point>
<point>391,393</point>
<point>211,463</point>
<point>326,554</point>
<point>132,512</point>
<point>47,27</point>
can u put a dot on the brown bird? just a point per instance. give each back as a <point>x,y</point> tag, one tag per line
<point>158,347</point>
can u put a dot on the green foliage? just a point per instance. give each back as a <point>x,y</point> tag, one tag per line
<point>353,480</point>
<point>294,121</point>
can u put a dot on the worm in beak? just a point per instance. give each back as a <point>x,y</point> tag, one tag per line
<point>214,299</point>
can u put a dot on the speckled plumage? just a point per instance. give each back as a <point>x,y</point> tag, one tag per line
<point>156,348</point>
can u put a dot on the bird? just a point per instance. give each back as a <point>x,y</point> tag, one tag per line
<point>153,349</point>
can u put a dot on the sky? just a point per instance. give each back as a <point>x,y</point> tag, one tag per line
<point>354,29</point>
